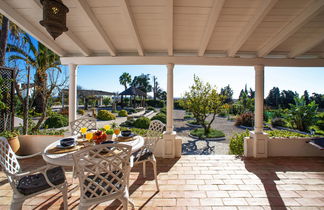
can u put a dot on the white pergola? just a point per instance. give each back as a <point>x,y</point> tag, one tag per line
<point>255,33</point>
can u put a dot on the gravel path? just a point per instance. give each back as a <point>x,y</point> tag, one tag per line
<point>192,146</point>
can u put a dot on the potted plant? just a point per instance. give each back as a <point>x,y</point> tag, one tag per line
<point>109,133</point>
<point>12,138</point>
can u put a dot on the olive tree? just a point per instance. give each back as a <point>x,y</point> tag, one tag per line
<point>203,101</point>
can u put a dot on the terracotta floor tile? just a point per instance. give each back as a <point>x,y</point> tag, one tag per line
<point>207,182</point>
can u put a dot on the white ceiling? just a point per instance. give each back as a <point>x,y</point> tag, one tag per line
<point>214,28</point>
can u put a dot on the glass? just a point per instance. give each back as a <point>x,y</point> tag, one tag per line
<point>117,131</point>
<point>89,136</point>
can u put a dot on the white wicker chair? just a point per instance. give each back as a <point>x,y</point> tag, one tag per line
<point>84,122</point>
<point>30,183</point>
<point>103,172</point>
<point>146,153</point>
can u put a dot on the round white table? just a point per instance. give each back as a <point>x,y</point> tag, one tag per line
<point>66,159</point>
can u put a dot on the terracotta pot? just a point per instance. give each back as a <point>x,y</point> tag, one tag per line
<point>14,143</point>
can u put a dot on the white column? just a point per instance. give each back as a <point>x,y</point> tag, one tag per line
<point>72,92</point>
<point>260,139</point>
<point>169,136</point>
<point>169,126</point>
<point>259,98</point>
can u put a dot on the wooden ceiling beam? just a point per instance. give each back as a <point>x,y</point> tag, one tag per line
<point>313,8</point>
<point>130,20</point>
<point>191,60</point>
<point>210,26</point>
<point>262,11</point>
<point>307,44</point>
<point>169,23</point>
<point>28,27</point>
<point>84,6</point>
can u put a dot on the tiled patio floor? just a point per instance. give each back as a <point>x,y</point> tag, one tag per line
<point>209,182</point>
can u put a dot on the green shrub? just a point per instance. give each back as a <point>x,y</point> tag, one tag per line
<point>128,123</point>
<point>286,134</point>
<point>156,103</point>
<point>81,111</point>
<point>160,116</point>
<point>163,110</point>
<point>199,132</point>
<point>105,115</point>
<point>122,113</point>
<point>320,121</point>
<point>137,131</point>
<point>245,119</point>
<point>277,121</point>
<point>131,111</point>
<point>142,122</point>
<point>177,104</point>
<point>151,108</point>
<point>237,143</point>
<point>223,113</point>
<point>56,121</point>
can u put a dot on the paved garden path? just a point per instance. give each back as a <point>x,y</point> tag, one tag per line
<point>192,146</point>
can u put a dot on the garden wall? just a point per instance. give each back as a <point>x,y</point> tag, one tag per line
<point>284,147</point>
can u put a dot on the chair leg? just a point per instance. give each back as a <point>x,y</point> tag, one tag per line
<point>125,203</point>
<point>65,196</point>
<point>155,174</point>
<point>16,204</point>
<point>144,169</point>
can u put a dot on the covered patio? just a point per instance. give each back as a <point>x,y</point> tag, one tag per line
<point>207,182</point>
<point>277,33</point>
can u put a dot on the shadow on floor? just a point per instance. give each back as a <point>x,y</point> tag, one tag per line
<point>267,170</point>
<point>191,148</point>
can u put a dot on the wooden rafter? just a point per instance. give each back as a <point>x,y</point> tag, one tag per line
<point>212,20</point>
<point>169,23</point>
<point>307,44</point>
<point>129,18</point>
<point>291,27</point>
<point>262,11</point>
<point>84,6</point>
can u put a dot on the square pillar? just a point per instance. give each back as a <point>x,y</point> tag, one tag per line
<point>260,139</point>
<point>169,136</point>
<point>72,92</point>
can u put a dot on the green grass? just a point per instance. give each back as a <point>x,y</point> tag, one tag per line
<point>199,132</point>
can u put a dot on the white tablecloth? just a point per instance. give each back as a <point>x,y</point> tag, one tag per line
<point>66,159</point>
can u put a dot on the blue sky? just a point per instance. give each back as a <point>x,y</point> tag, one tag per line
<point>296,79</point>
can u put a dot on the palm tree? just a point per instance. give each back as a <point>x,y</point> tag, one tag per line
<point>125,79</point>
<point>6,26</point>
<point>142,82</point>
<point>41,59</point>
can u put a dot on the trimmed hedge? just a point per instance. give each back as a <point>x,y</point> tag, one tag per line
<point>213,133</point>
<point>160,116</point>
<point>122,113</point>
<point>56,121</point>
<point>105,115</point>
<point>237,143</point>
<point>156,104</point>
<point>142,122</point>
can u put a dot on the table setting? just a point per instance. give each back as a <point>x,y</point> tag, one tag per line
<point>60,152</point>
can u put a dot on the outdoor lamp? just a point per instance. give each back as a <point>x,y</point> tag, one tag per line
<point>54,17</point>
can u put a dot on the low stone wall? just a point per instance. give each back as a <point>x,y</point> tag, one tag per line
<point>31,144</point>
<point>284,147</point>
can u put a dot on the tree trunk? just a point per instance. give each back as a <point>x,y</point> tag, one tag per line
<point>3,39</point>
<point>40,83</point>
<point>26,104</point>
